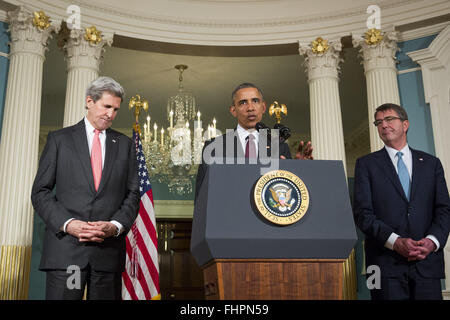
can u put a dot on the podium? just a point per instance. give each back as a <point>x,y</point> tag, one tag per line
<point>244,256</point>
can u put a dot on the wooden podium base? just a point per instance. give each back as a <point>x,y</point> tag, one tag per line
<point>274,279</point>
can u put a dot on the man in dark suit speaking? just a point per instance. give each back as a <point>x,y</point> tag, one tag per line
<point>248,107</point>
<point>95,202</point>
<point>401,203</point>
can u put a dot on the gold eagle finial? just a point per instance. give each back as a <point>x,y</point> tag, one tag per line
<point>137,103</point>
<point>277,109</point>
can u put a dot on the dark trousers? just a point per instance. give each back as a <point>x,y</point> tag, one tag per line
<point>63,285</point>
<point>409,286</point>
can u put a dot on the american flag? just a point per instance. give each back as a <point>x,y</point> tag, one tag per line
<point>140,280</point>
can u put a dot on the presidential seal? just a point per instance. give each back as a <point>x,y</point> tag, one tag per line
<point>281,197</point>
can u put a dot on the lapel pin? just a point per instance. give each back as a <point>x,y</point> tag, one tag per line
<point>420,159</point>
<point>113,140</point>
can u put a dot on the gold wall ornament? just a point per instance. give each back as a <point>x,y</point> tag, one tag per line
<point>41,20</point>
<point>93,35</point>
<point>277,109</point>
<point>137,103</point>
<point>373,36</point>
<point>319,45</point>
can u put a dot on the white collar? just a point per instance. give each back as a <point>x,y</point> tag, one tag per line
<point>89,127</point>
<point>244,133</point>
<point>393,152</point>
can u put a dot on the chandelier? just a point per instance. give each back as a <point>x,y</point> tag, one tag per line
<point>173,154</point>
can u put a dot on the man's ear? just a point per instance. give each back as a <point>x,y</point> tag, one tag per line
<point>406,125</point>
<point>89,102</point>
<point>233,111</point>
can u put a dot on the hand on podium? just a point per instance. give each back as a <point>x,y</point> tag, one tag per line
<point>303,152</point>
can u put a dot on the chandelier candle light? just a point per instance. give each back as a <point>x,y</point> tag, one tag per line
<point>174,158</point>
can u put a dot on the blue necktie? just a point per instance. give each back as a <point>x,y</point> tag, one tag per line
<point>403,174</point>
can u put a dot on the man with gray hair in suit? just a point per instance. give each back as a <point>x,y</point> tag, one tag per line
<point>87,192</point>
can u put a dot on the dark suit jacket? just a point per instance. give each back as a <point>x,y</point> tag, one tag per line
<point>381,207</point>
<point>238,151</point>
<point>65,165</point>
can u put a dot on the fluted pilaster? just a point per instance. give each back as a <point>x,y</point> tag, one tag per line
<point>436,81</point>
<point>381,76</point>
<point>83,58</point>
<point>19,148</point>
<point>327,133</point>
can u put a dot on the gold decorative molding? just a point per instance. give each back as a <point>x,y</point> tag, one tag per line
<point>93,35</point>
<point>41,20</point>
<point>373,36</point>
<point>319,46</point>
<point>157,22</point>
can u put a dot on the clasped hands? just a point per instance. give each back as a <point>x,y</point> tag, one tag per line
<point>95,231</point>
<point>414,250</point>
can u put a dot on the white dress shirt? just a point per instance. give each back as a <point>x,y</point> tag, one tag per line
<point>407,159</point>
<point>90,132</point>
<point>243,134</point>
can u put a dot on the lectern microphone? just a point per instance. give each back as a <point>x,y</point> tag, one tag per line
<point>285,132</point>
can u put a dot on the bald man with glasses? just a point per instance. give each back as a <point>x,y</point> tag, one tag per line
<point>401,204</point>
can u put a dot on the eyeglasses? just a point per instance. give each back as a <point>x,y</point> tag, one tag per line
<point>387,119</point>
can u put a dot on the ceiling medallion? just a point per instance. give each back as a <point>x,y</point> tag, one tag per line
<point>93,35</point>
<point>319,46</point>
<point>373,36</point>
<point>41,20</point>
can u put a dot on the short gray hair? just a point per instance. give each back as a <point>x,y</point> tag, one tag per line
<point>104,84</point>
<point>242,86</point>
<point>401,112</point>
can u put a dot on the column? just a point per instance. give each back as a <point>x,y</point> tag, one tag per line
<point>434,62</point>
<point>327,135</point>
<point>322,60</point>
<point>83,51</point>
<point>378,52</point>
<point>19,147</point>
